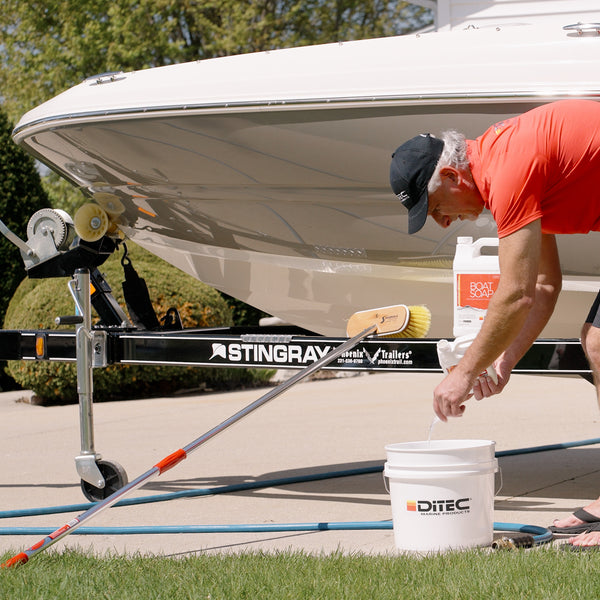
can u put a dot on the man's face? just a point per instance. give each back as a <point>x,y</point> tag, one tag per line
<point>456,198</point>
<point>457,206</point>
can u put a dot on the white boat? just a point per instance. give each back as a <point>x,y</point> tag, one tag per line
<point>266,175</point>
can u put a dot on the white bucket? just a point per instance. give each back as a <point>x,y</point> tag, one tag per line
<point>442,493</point>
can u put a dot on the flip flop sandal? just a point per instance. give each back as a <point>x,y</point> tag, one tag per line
<point>590,523</point>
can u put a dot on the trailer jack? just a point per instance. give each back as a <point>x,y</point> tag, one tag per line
<point>52,250</point>
<point>99,478</point>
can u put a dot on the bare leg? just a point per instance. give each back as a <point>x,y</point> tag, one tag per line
<point>590,340</point>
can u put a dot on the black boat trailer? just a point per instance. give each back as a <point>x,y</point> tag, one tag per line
<point>117,341</point>
<point>274,347</point>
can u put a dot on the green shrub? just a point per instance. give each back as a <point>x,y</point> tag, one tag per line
<point>21,194</point>
<point>36,303</point>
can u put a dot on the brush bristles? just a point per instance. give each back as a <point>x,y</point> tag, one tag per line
<point>418,323</point>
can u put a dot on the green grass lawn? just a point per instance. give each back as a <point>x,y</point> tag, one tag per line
<point>543,573</point>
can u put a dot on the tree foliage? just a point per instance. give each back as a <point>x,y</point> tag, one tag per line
<point>50,45</point>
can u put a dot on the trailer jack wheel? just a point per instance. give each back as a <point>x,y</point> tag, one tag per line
<point>114,476</point>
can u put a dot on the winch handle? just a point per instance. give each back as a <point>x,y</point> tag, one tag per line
<point>16,240</point>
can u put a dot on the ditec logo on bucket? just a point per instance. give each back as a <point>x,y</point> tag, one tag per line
<point>460,506</point>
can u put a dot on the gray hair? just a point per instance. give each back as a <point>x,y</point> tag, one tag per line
<point>454,155</point>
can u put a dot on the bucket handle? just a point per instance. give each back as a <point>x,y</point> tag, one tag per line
<point>387,487</point>
<point>501,481</point>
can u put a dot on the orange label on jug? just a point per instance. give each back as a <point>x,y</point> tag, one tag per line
<point>475,289</point>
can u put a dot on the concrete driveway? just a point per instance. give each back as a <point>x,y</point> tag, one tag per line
<point>317,426</point>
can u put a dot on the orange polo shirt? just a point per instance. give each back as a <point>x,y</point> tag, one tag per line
<point>543,164</point>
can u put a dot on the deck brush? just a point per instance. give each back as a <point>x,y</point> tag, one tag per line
<point>392,321</point>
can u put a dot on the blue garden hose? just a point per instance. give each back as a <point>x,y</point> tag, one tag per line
<point>224,489</point>
<point>540,535</point>
<point>562,446</point>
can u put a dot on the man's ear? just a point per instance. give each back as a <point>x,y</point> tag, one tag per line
<point>450,173</point>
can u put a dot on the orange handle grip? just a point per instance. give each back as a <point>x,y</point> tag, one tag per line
<point>19,559</point>
<point>170,461</point>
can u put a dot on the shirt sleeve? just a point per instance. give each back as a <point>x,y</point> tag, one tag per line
<point>516,191</point>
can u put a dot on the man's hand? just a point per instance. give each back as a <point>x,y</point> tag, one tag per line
<point>484,386</point>
<point>449,396</point>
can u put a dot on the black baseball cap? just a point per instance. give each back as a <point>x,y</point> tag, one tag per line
<point>412,166</point>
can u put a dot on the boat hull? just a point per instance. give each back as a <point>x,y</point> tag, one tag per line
<point>282,199</point>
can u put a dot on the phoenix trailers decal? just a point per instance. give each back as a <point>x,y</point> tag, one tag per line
<point>303,354</point>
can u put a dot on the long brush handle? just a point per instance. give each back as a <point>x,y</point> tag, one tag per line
<point>173,459</point>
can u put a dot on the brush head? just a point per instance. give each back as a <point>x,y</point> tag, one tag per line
<point>391,321</point>
<point>419,321</point>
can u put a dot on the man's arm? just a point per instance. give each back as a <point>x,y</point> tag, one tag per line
<point>523,256</point>
<point>548,286</point>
